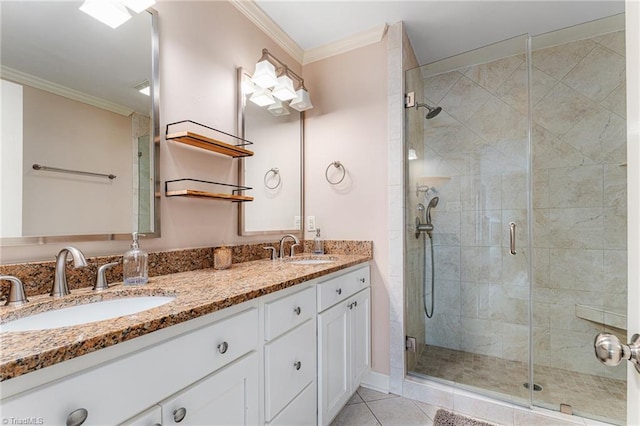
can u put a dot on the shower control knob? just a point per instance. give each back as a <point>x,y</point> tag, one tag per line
<point>610,351</point>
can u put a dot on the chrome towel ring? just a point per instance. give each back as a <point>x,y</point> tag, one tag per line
<point>276,174</point>
<point>337,165</point>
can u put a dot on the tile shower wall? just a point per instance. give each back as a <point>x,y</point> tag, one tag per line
<point>579,202</point>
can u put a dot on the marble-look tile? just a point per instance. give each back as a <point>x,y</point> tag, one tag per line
<point>616,304</point>
<point>368,395</point>
<point>497,122</point>
<point>541,229</point>
<point>355,414</point>
<point>541,273</point>
<point>551,152</point>
<point>447,295</point>
<point>576,228</point>
<point>557,61</point>
<point>514,91</point>
<point>481,264</point>
<point>572,269</point>
<point>447,226</point>
<point>614,41</point>
<point>398,411</point>
<point>491,75</point>
<point>430,393</point>
<point>437,86</point>
<point>481,408</point>
<point>464,99</point>
<point>615,272</point>
<point>355,399</point>
<point>429,409</point>
<point>515,269</point>
<point>481,336</point>
<point>561,109</point>
<point>615,185</point>
<point>540,188</point>
<point>617,100</point>
<point>447,136</point>
<point>481,228</point>
<point>598,74</point>
<point>515,190</point>
<point>576,186</point>
<point>615,228</point>
<point>562,310</point>
<point>444,330</point>
<point>573,351</point>
<point>481,192</point>
<point>601,136</point>
<point>528,418</point>
<point>447,262</point>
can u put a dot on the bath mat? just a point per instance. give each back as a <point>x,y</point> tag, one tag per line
<point>446,418</point>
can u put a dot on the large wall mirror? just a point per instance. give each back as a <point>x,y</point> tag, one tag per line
<point>79,140</point>
<point>275,171</point>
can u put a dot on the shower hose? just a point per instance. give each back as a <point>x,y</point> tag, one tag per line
<point>424,274</point>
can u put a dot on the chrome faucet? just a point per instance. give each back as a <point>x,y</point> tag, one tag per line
<point>60,287</point>
<point>296,243</point>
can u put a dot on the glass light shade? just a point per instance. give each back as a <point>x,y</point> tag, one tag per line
<point>302,102</point>
<point>412,154</point>
<point>262,98</point>
<point>265,75</point>
<point>138,5</point>
<point>247,85</point>
<point>108,12</point>
<point>284,89</point>
<point>278,109</point>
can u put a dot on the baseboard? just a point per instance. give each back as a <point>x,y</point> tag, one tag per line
<point>376,381</point>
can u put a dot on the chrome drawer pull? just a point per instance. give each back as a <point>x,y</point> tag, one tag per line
<point>179,414</point>
<point>339,291</point>
<point>222,347</point>
<point>362,280</point>
<point>77,417</point>
<point>297,365</point>
<point>297,310</point>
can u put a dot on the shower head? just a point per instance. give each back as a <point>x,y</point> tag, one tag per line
<point>432,204</point>
<point>433,111</point>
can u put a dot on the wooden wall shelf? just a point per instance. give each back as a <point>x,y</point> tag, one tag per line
<point>198,193</point>
<point>209,143</point>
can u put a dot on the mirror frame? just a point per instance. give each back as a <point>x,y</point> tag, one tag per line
<point>241,102</point>
<point>155,136</point>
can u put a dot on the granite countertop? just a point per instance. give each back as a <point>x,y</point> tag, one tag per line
<point>197,293</point>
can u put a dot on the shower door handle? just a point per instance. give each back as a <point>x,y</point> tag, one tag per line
<point>512,238</point>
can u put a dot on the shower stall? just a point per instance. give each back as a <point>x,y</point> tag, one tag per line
<point>521,259</point>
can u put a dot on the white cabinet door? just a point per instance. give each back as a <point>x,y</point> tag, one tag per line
<point>334,358</point>
<point>150,417</point>
<point>226,397</point>
<point>360,337</point>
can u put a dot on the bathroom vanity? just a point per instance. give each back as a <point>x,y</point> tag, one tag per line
<point>265,342</point>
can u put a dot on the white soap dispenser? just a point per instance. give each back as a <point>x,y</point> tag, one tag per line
<point>318,244</point>
<point>135,263</point>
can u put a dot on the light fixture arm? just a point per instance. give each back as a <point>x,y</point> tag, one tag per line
<point>283,69</point>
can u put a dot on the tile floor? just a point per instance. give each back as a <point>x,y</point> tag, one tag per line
<point>369,407</point>
<point>587,394</point>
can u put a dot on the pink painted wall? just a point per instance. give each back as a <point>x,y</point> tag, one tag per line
<point>349,124</point>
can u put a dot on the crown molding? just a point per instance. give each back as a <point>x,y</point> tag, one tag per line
<point>364,38</point>
<point>256,15</point>
<point>39,83</point>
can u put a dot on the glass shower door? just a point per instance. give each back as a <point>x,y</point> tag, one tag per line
<point>468,177</point>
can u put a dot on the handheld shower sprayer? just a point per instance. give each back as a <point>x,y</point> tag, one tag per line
<point>432,204</point>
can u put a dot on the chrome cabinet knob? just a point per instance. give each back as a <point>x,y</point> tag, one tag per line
<point>297,365</point>
<point>297,310</point>
<point>610,351</point>
<point>339,291</point>
<point>355,303</point>
<point>222,347</point>
<point>77,417</point>
<point>362,280</point>
<point>179,414</point>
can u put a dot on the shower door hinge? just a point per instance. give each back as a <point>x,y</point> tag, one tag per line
<point>410,344</point>
<point>410,100</point>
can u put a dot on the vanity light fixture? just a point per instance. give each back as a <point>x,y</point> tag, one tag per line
<point>144,88</point>
<point>247,86</point>
<point>278,109</point>
<point>412,154</point>
<point>276,79</point>
<point>113,12</point>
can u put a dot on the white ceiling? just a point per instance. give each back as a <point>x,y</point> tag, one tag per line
<point>437,28</point>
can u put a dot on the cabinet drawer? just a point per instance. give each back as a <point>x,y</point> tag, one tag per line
<point>301,411</point>
<point>149,375</point>
<point>339,288</point>
<point>290,365</point>
<point>287,313</point>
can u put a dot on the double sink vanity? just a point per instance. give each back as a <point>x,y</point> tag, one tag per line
<point>282,341</point>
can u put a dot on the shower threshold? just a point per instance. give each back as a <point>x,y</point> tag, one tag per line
<point>587,394</point>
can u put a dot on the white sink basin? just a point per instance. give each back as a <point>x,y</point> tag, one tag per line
<point>86,313</point>
<point>310,261</point>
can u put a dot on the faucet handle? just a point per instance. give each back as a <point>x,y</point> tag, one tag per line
<point>293,249</point>
<point>273,252</point>
<point>101,280</point>
<point>16,292</point>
